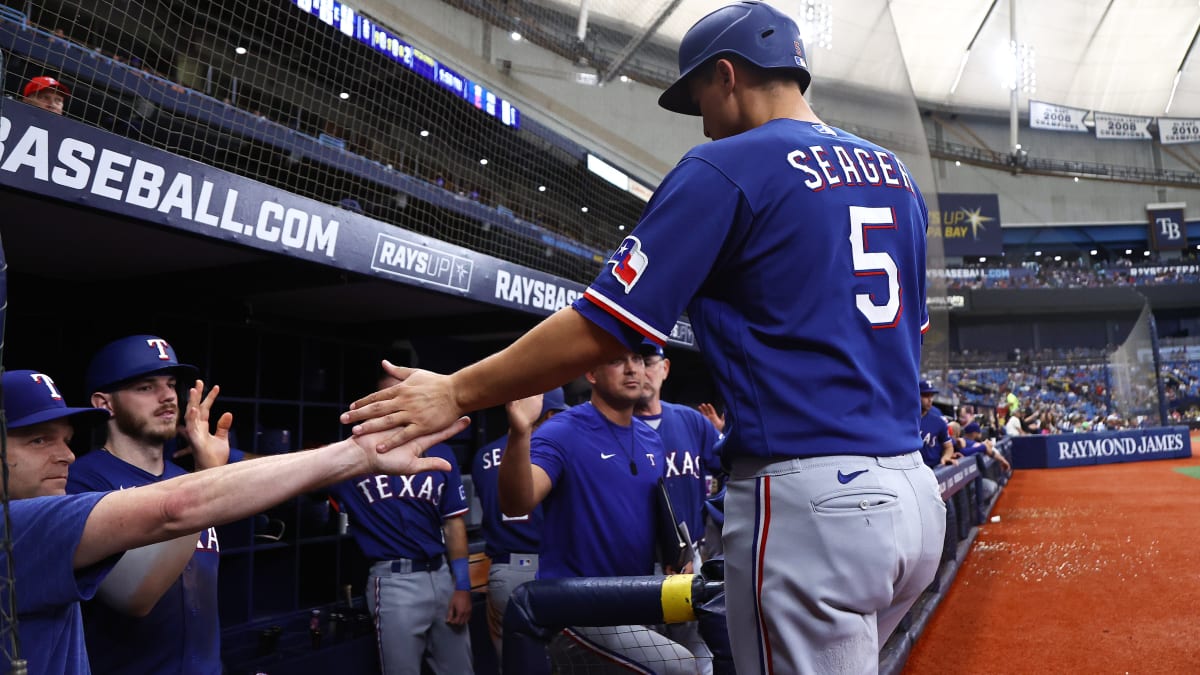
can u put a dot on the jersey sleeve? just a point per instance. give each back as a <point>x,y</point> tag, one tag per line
<point>648,281</point>
<point>454,500</point>
<point>547,455</point>
<point>46,533</point>
<point>943,435</point>
<point>921,256</point>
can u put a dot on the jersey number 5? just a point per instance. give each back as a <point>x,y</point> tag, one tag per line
<point>866,264</point>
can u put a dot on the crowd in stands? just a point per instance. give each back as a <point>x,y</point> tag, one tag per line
<point>1066,391</point>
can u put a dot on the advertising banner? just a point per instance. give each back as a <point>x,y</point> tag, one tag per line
<point>969,224</point>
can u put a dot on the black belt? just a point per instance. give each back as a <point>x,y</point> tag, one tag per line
<point>507,558</point>
<point>406,565</point>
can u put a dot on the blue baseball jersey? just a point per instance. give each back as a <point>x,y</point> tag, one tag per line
<point>688,439</point>
<point>798,251</point>
<point>45,533</point>
<point>502,534</point>
<point>401,516</point>
<point>182,634</point>
<point>600,514</point>
<point>934,433</point>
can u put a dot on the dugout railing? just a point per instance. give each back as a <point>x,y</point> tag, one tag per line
<point>538,610</point>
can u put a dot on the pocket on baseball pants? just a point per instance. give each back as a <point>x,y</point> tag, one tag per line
<point>856,501</point>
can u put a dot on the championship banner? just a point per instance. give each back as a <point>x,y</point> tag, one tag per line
<point>969,224</point>
<point>1122,127</point>
<point>1173,130</point>
<point>1056,117</point>
<point>1167,229</point>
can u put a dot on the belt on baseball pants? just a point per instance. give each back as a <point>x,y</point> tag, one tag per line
<point>408,565</point>
<point>514,558</point>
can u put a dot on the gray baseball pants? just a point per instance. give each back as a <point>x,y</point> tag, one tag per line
<point>410,621</point>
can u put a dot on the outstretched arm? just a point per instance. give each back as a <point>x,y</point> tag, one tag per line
<point>522,486</point>
<point>556,350</point>
<point>127,519</point>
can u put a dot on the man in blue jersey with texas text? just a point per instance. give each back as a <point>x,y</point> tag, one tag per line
<point>936,447</point>
<point>688,440</point>
<point>419,586</point>
<point>135,379</point>
<point>798,251</point>
<point>596,469</point>
<point>511,542</point>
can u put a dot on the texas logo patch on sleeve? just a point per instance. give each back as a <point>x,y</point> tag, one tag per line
<point>629,262</point>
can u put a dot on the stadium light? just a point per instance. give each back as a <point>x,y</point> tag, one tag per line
<point>1076,179</point>
<point>1128,251</point>
<point>1058,258</point>
<point>344,95</point>
<point>541,188</point>
<point>584,209</point>
<point>621,228</point>
<point>240,51</point>
<point>1146,253</point>
<point>982,259</point>
<point>516,37</point>
<point>624,78</point>
<point>957,163</point>
<point>1037,253</point>
<point>483,161</point>
<point>1094,251</point>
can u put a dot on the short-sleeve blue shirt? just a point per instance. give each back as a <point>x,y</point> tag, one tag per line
<point>934,434</point>
<point>183,631</point>
<point>688,439</point>
<point>600,514</point>
<point>401,516</point>
<point>46,532</point>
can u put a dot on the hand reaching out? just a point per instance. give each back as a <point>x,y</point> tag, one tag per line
<point>422,403</point>
<point>523,414</point>
<point>210,448</point>
<point>710,413</point>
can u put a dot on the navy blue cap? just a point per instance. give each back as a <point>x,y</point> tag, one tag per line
<point>971,428</point>
<point>650,348</point>
<point>31,398</point>
<point>553,400</point>
<point>927,388</point>
<point>755,31</point>
<point>135,356</point>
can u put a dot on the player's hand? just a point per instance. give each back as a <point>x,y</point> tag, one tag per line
<point>406,459</point>
<point>422,403</point>
<point>949,461</point>
<point>460,608</point>
<point>211,449</point>
<point>523,414</point>
<point>710,413</point>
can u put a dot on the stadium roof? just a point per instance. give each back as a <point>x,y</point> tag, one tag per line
<point>1119,56</point>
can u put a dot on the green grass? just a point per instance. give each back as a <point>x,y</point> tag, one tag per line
<point>1193,471</point>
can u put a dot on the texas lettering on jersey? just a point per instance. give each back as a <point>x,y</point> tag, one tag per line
<point>422,487</point>
<point>682,464</point>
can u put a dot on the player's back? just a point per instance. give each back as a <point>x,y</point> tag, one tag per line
<point>812,315</point>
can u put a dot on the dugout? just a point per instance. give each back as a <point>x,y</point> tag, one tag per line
<point>292,335</point>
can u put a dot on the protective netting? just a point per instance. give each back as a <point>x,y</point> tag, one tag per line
<point>1133,370</point>
<point>322,100</point>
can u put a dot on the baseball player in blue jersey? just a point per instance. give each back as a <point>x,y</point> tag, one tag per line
<point>419,586</point>
<point>135,378</point>
<point>936,447</point>
<point>511,542</point>
<point>596,469</point>
<point>688,440</point>
<point>66,547</point>
<point>798,251</point>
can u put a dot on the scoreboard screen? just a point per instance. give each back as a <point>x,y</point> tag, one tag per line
<point>345,19</point>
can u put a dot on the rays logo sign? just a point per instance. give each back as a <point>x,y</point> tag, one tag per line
<point>629,262</point>
<point>967,224</point>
